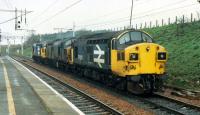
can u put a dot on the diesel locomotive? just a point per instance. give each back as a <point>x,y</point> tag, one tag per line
<point>127,60</point>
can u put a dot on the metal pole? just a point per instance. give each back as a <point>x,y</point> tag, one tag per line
<point>131,14</point>
<point>40,38</point>
<point>73,29</point>
<point>61,33</point>
<point>8,47</point>
<point>15,18</point>
<point>0,48</point>
<point>25,16</point>
<point>0,42</point>
<point>22,47</point>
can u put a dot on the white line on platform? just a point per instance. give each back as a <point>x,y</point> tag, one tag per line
<point>11,105</point>
<point>57,93</point>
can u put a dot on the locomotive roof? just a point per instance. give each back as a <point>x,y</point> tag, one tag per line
<point>106,35</point>
<point>95,36</point>
<point>103,35</point>
<point>53,41</point>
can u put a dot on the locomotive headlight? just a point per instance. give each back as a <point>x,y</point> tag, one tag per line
<point>133,56</point>
<point>162,56</point>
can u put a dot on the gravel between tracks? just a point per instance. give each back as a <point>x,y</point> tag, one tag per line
<point>167,93</point>
<point>104,96</point>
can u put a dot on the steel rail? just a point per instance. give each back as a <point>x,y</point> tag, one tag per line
<point>98,104</point>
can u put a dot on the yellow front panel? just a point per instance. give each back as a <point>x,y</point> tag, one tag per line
<point>147,58</point>
<point>147,62</point>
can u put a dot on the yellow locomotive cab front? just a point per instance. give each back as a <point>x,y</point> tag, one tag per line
<point>138,59</point>
<point>145,58</point>
<point>135,58</point>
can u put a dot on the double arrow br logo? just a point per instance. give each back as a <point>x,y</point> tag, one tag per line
<point>99,52</point>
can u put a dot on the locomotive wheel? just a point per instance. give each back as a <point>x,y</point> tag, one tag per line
<point>143,86</point>
<point>135,88</point>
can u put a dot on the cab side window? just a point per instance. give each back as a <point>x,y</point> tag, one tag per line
<point>146,38</point>
<point>124,39</point>
<point>136,37</point>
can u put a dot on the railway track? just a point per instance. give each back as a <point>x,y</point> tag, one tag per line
<point>171,106</point>
<point>87,104</point>
<point>181,92</point>
<point>157,103</point>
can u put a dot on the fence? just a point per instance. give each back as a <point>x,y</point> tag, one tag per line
<point>162,22</point>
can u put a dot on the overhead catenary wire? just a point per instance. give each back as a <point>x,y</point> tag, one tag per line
<point>61,11</point>
<point>15,18</point>
<point>46,9</point>
<point>151,10</point>
<point>113,12</point>
<point>9,3</point>
<point>167,5</point>
<point>6,10</point>
<point>127,17</point>
<point>6,3</point>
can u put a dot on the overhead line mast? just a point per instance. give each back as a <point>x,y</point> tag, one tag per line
<point>23,13</point>
<point>131,14</point>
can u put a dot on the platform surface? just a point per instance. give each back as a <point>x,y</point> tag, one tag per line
<point>22,93</point>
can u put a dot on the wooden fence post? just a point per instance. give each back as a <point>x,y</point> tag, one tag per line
<point>162,22</point>
<point>191,17</point>
<point>168,21</point>
<point>176,20</point>
<point>156,23</point>
<point>150,24</point>
<point>124,27</point>
<point>136,26</point>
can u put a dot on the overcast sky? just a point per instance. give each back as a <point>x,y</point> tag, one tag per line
<point>90,14</point>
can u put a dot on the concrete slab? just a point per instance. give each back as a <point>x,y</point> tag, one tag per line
<point>26,102</point>
<point>3,93</point>
<point>44,92</point>
<point>53,101</point>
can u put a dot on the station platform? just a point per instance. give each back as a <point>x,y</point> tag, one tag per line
<point>24,93</point>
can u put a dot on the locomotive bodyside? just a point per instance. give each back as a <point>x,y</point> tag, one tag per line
<point>92,53</point>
